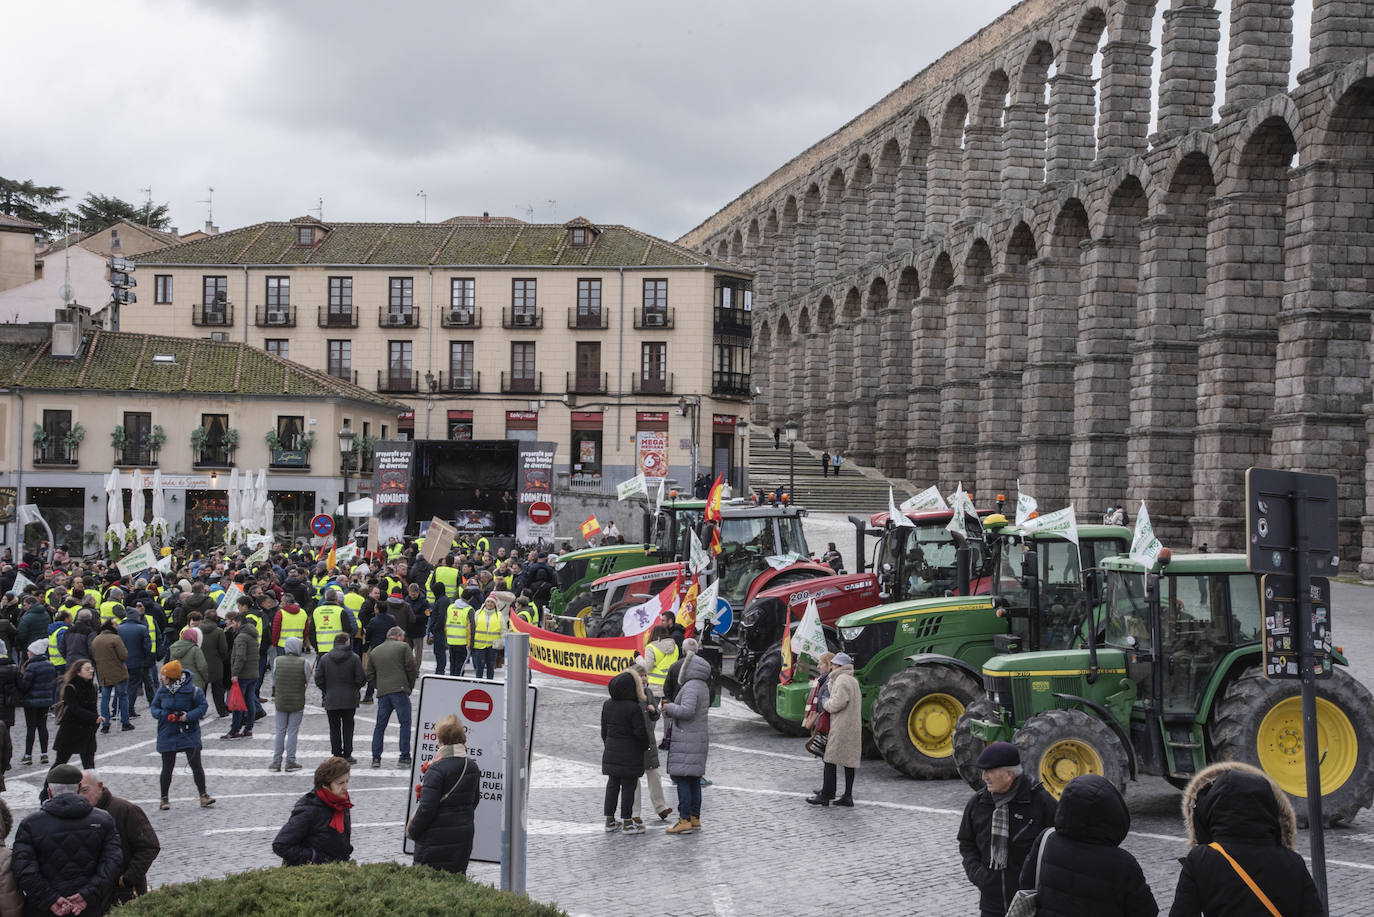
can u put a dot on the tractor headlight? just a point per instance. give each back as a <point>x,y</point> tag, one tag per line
<point>750,617</point>
<point>851,633</point>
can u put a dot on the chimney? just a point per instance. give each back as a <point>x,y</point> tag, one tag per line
<point>176,233</point>
<point>486,217</point>
<point>210,228</point>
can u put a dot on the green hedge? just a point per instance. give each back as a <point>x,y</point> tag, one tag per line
<point>374,890</point>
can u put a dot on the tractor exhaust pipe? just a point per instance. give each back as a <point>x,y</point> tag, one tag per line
<point>860,528</point>
<point>963,570</point>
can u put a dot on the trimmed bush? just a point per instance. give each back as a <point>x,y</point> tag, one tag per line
<point>373,890</point>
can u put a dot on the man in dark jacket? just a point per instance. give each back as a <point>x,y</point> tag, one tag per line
<point>392,670</point>
<point>339,676</point>
<point>137,839</point>
<point>66,855</point>
<point>1000,824</point>
<point>34,624</point>
<point>215,646</point>
<point>383,619</point>
<point>243,671</point>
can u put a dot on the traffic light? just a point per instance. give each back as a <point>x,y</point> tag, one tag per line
<point>121,282</point>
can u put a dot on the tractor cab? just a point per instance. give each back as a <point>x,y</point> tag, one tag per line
<point>756,543</point>
<point>921,560</point>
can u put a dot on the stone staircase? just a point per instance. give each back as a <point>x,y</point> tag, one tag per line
<point>857,490</point>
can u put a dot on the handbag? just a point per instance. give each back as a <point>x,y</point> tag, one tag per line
<point>667,736</point>
<point>235,699</point>
<point>1024,903</point>
<point>816,744</point>
<point>59,710</point>
<point>823,723</point>
<point>1245,877</point>
<point>445,797</point>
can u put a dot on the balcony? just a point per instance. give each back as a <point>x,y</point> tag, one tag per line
<point>461,318</point>
<point>723,383</point>
<point>586,383</point>
<point>465,383</point>
<point>525,385</point>
<point>398,381</point>
<point>212,315</point>
<point>400,317</point>
<point>733,321</point>
<point>336,317</point>
<point>290,460</point>
<point>213,457</point>
<point>54,454</point>
<point>524,318</point>
<point>132,456</point>
<point>591,321</point>
<point>275,316</point>
<point>349,464</point>
<point>653,318</point>
<point>641,384</point>
<point>343,374</point>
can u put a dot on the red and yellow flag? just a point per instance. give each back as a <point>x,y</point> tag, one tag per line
<point>712,513</point>
<point>786,677</point>
<point>715,540</point>
<point>590,528</point>
<point>687,610</point>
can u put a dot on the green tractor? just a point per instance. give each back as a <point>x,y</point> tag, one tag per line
<point>1175,685</point>
<point>917,662</point>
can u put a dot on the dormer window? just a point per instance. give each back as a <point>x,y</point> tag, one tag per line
<point>579,236</point>
<point>305,235</point>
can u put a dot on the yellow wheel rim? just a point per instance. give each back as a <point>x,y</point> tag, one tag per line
<point>1066,760</point>
<point>580,625</point>
<point>930,724</point>
<point>1281,750</point>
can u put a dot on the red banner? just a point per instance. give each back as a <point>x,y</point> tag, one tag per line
<point>579,658</point>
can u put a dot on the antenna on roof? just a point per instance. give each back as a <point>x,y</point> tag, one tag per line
<point>147,205</point>
<point>318,211</point>
<point>425,198</point>
<point>529,212</point>
<point>554,204</point>
<point>209,203</point>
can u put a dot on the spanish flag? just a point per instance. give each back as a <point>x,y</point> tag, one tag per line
<point>687,609</point>
<point>712,513</point>
<point>332,561</point>
<point>715,540</point>
<point>590,528</point>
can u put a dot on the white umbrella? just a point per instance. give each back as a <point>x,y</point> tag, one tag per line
<point>269,513</point>
<point>114,509</point>
<point>260,503</point>
<point>136,506</point>
<point>160,525</point>
<point>233,515</point>
<point>360,508</point>
<point>246,500</point>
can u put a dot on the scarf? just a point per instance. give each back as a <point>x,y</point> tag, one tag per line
<point>339,804</point>
<point>1001,827</point>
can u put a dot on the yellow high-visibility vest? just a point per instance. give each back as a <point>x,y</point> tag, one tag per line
<point>328,625</point>
<point>107,610</point>
<point>527,614</point>
<point>256,620</point>
<point>152,634</point>
<point>488,629</point>
<point>483,545</point>
<point>319,582</point>
<point>393,551</point>
<point>54,654</point>
<point>292,625</point>
<point>662,663</point>
<point>353,602</point>
<point>456,625</point>
<point>446,575</point>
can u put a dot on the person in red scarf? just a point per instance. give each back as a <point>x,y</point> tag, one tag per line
<point>319,829</point>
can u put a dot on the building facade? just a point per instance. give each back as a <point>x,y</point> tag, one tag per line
<point>583,335</point>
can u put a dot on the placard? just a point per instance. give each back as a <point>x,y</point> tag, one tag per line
<point>438,540</point>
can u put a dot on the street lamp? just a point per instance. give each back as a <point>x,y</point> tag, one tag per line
<point>345,451</point>
<point>790,428</point>
<point>742,428</point>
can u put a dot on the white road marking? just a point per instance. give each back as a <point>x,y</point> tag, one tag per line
<point>759,751</point>
<point>722,900</point>
<point>367,824</point>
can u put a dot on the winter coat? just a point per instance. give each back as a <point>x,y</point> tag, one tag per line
<point>77,728</point>
<point>687,750</point>
<point>138,844</point>
<point>38,682</point>
<point>199,601</point>
<point>1244,811</point>
<point>68,847</point>
<point>651,760</point>
<point>623,734</point>
<point>290,675</point>
<point>10,900</point>
<point>108,653</point>
<point>11,695</point>
<point>137,643</point>
<point>442,823</point>
<point>243,656</point>
<point>77,644</point>
<point>33,625</point>
<point>1031,810</point>
<point>392,668</point>
<point>419,609</point>
<point>845,746</point>
<point>1084,869</point>
<point>381,622</point>
<point>192,660</point>
<point>307,838</point>
<point>339,676</point>
<point>182,696</point>
<point>215,647</point>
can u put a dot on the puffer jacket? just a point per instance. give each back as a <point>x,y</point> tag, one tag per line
<point>651,760</point>
<point>182,697</point>
<point>33,625</point>
<point>68,847</point>
<point>109,652</point>
<point>1084,870</point>
<point>10,694</point>
<point>243,656</point>
<point>290,675</point>
<point>688,711</point>
<point>1238,807</point>
<point>623,734</point>
<point>442,824</point>
<point>339,676</point>
<point>192,660</point>
<point>214,645</point>
<point>77,645</point>
<point>1031,810</point>
<point>199,601</point>
<point>38,682</point>
<point>307,838</point>
<point>845,746</point>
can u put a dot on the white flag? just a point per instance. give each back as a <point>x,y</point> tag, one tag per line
<point>658,502</point>
<point>699,559</point>
<point>1063,522</point>
<point>142,558</point>
<point>928,500</point>
<point>706,606</point>
<point>1145,547</point>
<point>957,503</point>
<point>809,637</point>
<point>634,486</point>
<point>21,582</point>
<point>230,602</point>
<point>1025,505</point>
<point>258,555</point>
<point>29,514</point>
<point>897,516</point>
<point>164,564</point>
<point>348,553</point>
<point>782,561</point>
<point>642,617</point>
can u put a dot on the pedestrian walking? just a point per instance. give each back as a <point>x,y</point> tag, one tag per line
<point>137,840</point>
<point>179,707</point>
<point>1083,869</point>
<point>109,652</point>
<point>1000,823</point>
<point>844,745</point>
<point>215,646</point>
<point>777,437</point>
<point>436,630</point>
<point>825,464</point>
<point>339,676</point>
<point>689,745</point>
<point>485,631</point>
<point>624,740</point>
<point>392,670</point>
<point>443,822</point>
<point>38,687</point>
<point>837,460</point>
<point>320,830</point>
<point>66,856</point>
<point>649,704</point>
<point>11,902</point>
<point>243,671</point>
<point>187,651</point>
<point>1243,860</point>
<point>77,646</point>
<point>290,675</point>
<point>80,719</point>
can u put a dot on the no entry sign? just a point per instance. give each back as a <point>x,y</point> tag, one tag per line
<point>541,513</point>
<point>476,706</point>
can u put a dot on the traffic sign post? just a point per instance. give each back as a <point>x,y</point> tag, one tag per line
<point>541,512</point>
<point>322,525</point>
<point>1290,518</point>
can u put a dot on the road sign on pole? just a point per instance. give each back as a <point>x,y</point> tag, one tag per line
<point>514,826</point>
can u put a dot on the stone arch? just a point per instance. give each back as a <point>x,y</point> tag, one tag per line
<point>840,406</point>
<point>829,227</point>
<point>999,382</point>
<point>737,247</point>
<point>789,233</point>
<point>854,242</point>
<point>913,184</point>
<point>1023,147</point>
<point>787,402</point>
<point>764,370</point>
<point>965,350</point>
<point>1347,127</point>
<point>883,212</point>
<point>751,239</point>
<point>805,274</point>
<point>1258,119</point>
<point>1194,145</point>
<point>723,250</point>
<point>892,315</point>
<point>1073,93</point>
<point>982,169</point>
<point>768,290</point>
<point>944,194</point>
<point>1100,206</point>
<point>928,370</point>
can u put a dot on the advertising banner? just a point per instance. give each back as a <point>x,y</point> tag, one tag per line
<point>595,661</point>
<point>534,478</point>
<point>393,471</point>
<point>651,455</point>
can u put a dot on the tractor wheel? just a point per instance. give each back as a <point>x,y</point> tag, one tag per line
<point>870,749</point>
<point>1059,745</point>
<point>914,716</point>
<point>746,692</point>
<point>967,746</point>
<point>767,675</point>
<point>609,625</point>
<point>580,607</point>
<point>1259,721</point>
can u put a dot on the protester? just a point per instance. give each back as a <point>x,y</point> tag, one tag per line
<point>77,646</point>
<point>457,628</point>
<point>138,648</point>
<point>648,703</point>
<point>442,824</point>
<point>137,840</point>
<point>109,653</point>
<point>419,623</point>
<point>10,697</point>
<point>392,669</point>
<point>1083,869</point>
<point>290,675</point>
<point>624,740</point>
<point>38,686</point>
<point>320,829</point>
<point>179,706</point>
<point>11,902</point>
<point>187,651</point>
<point>243,671</point>
<point>1000,823</point>
<point>66,855</point>
<point>80,718</point>
<point>486,630</point>
<point>339,676</point>
<point>844,747</point>
<point>689,745</point>
<point>215,646</point>
<point>1240,823</point>
<point>382,621</point>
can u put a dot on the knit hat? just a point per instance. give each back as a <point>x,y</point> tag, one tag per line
<point>842,659</point>
<point>998,754</point>
<point>40,648</point>
<point>64,775</point>
<point>172,670</point>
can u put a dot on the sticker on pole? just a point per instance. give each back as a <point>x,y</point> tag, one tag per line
<point>541,513</point>
<point>322,525</point>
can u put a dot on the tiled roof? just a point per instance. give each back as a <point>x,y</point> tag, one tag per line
<point>76,238</point>
<point>115,361</point>
<point>9,222</point>
<point>458,241</point>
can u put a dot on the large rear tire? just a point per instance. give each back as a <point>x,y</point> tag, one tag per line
<point>1259,721</point>
<point>967,746</point>
<point>581,608</point>
<point>767,675</point>
<point>610,625</point>
<point>1059,745</point>
<point>914,717</point>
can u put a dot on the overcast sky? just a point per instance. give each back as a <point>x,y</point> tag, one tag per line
<point>643,113</point>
